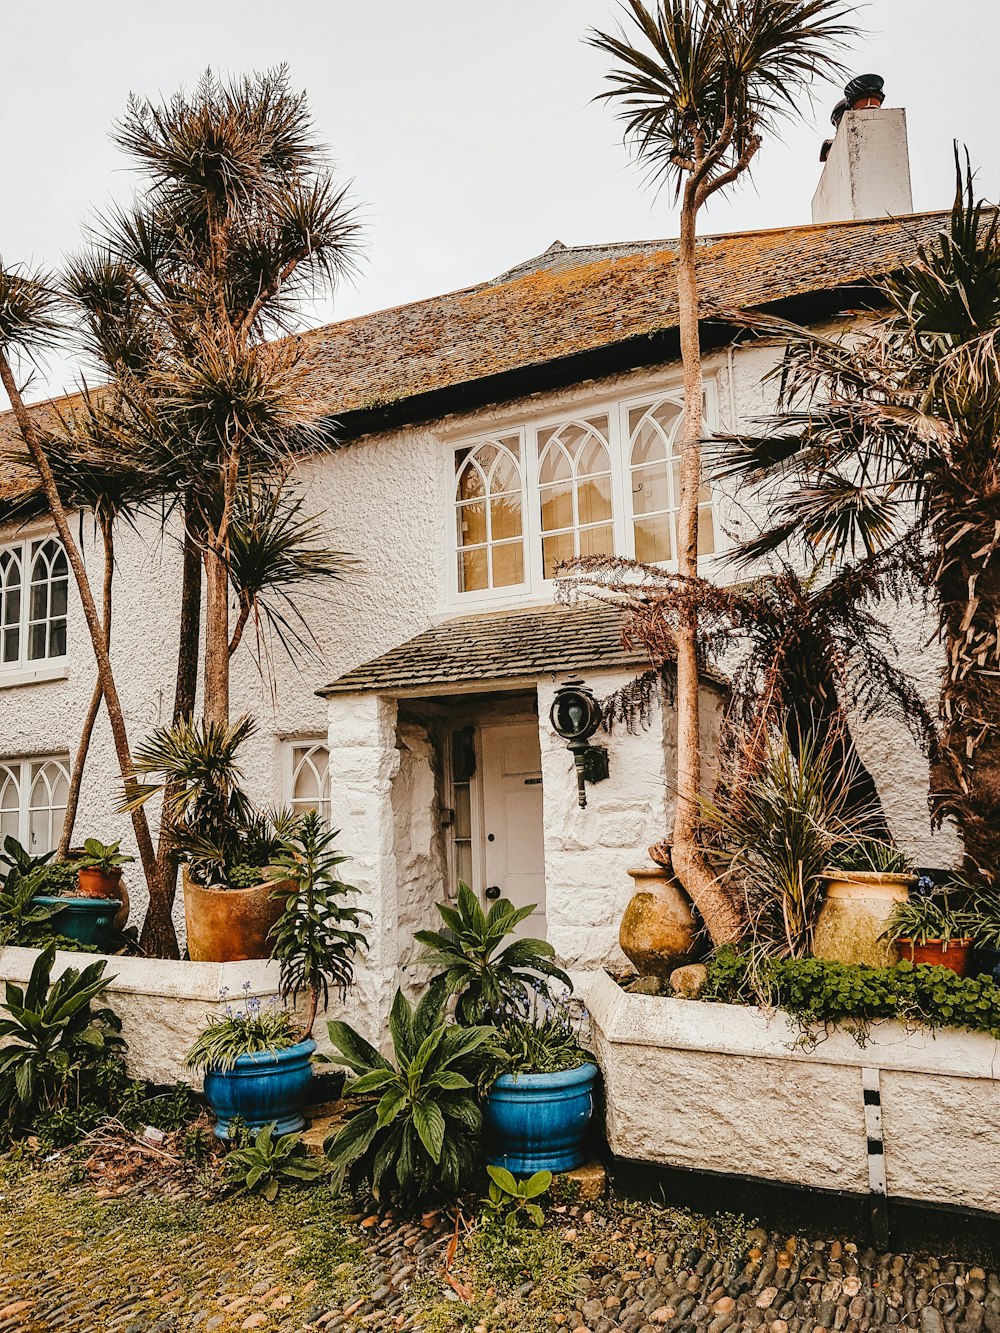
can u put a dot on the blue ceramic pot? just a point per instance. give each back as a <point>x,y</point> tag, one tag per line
<point>537,1122</point>
<point>263,1087</point>
<point>988,962</point>
<point>86,920</point>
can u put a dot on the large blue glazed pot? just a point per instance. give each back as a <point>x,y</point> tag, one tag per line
<point>263,1087</point>
<point>988,962</point>
<point>86,920</point>
<point>537,1122</point>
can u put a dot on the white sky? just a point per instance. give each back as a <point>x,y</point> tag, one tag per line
<point>466,125</point>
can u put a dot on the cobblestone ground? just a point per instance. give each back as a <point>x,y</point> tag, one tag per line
<point>70,1260</point>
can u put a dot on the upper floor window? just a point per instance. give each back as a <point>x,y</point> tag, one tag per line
<point>604,483</point>
<point>309,778</point>
<point>34,583</point>
<point>33,795</point>
<point>489,504</point>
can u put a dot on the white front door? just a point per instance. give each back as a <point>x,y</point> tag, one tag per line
<point>513,839</point>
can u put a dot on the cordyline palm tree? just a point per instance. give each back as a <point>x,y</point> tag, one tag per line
<point>813,650</point>
<point>894,433</point>
<point>702,86</point>
<point>182,295</point>
<point>30,322</point>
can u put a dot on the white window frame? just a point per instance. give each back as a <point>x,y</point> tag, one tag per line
<point>25,669</point>
<point>310,745</point>
<point>616,408</point>
<point>19,770</point>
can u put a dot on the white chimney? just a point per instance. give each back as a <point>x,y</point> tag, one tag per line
<point>866,167</point>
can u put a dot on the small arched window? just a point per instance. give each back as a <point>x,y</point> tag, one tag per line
<point>574,484</point>
<point>33,794</point>
<point>655,475</point>
<point>309,787</point>
<point>10,604</point>
<point>489,507</point>
<point>47,607</point>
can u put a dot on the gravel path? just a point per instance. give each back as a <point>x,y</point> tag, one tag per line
<point>72,1261</point>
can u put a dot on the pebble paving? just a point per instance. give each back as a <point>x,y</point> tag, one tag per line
<point>69,1261</point>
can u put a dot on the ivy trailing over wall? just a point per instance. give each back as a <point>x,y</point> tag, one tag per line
<point>822,996</point>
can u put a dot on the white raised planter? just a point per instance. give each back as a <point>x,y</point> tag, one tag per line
<point>728,1088</point>
<point>162,1003</point>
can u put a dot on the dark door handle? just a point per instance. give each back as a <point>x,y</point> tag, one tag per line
<point>493,891</point>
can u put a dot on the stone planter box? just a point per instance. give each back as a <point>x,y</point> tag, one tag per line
<point>725,1088</point>
<point>163,1004</point>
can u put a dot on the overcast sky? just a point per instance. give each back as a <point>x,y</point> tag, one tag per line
<point>467,126</point>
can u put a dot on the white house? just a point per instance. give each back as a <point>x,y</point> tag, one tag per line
<point>484,436</point>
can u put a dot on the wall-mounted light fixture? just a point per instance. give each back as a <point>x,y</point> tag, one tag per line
<point>575,716</point>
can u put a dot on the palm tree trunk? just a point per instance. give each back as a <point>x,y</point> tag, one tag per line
<point>216,637</point>
<point>159,926</point>
<point>722,919</point>
<point>87,731</point>
<point>105,675</point>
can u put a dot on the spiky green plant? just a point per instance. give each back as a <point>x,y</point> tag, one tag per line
<point>490,981</point>
<point>250,1030</point>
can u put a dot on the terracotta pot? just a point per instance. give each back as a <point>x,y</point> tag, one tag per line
<point>855,912</point>
<point>96,883</point>
<point>658,929</point>
<point>230,925</point>
<point>953,954</point>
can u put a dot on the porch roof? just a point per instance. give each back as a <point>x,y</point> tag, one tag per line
<point>518,643</point>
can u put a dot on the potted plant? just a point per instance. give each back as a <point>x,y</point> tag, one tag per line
<point>866,880</point>
<point>56,905</point>
<point>928,929</point>
<point>99,869</point>
<point>257,1064</point>
<point>233,894</point>
<point>985,929</point>
<point>540,1101</point>
<point>257,1061</point>
<point>658,931</point>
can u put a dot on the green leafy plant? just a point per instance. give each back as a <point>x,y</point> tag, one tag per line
<point>546,1041</point>
<point>269,1162</point>
<point>931,917</point>
<point>59,1050</point>
<point>984,921</point>
<point>316,937</point>
<point>489,981</point>
<point>22,920</point>
<point>242,1031</point>
<point>871,856</point>
<point>511,1201</point>
<point>414,1123</point>
<point>98,856</point>
<point>824,995</point>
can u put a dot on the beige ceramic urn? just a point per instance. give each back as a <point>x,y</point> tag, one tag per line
<point>658,929</point>
<point>854,914</point>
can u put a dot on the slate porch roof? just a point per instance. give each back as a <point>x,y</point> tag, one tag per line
<point>520,643</point>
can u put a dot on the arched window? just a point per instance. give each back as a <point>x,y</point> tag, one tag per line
<point>309,786</point>
<point>489,503</point>
<point>33,794</point>
<point>655,475</point>
<point>47,609</point>
<point>574,484</point>
<point>10,604</point>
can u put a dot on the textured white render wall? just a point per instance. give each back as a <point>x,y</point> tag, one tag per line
<point>867,174</point>
<point>419,845</point>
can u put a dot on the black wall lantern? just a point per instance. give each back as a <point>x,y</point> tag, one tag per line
<point>575,716</point>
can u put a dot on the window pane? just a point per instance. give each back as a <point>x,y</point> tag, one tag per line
<point>653,539</point>
<point>471,483</point>
<point>508,564</point>
<point>11,644</point>
<point>649,489</point>
<point>595,500</point>
<point>463,861</point>
<point>555,466</point>
<point>557,507</point>
<point>57,604</point>
<point>47,804</point>
<point>647,445</point>
<point>555,550</point>
<point>39,601</point>
<point>597,541</point>
<point>706,530</point>
<point>310,779</point>
<point>472,524</point>
<point>472,570</point>
<point>57,638</point>
<point>668,414</point>
<point>37,641</point>
<point>505,516</point>
<point>505,476</point>
<point>463,811</point>
<point>593,458</point>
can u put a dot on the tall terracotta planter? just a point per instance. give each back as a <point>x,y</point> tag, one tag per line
<point>231,925</point>
<point>855,912</point>
<point>658,929</point>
